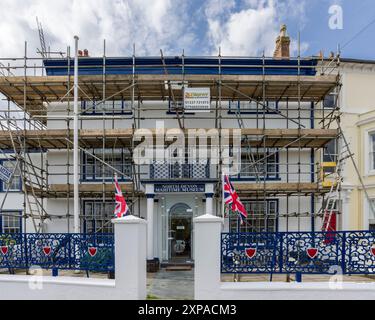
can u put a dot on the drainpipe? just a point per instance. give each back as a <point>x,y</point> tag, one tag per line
<point>75,142</point>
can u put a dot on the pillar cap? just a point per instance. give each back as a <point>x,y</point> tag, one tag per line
<point>129,220</point>
<point>208,218</point>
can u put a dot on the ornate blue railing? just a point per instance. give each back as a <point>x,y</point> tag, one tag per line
<point>299,252</point>
<point>89,252</point>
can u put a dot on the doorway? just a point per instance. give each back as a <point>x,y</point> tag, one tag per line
<point>180,233</point>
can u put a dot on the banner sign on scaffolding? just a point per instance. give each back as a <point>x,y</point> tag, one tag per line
<point>197,99</point>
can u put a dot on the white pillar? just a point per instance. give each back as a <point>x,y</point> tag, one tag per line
<point>150,226</point>
<point>130,256</point>
<point>346,210</point>
<point>207,239</point>
<point>76,207</point>
<point>209,203</point>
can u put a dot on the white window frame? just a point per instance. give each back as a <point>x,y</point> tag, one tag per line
<point>367,218</point>
<point>11,214</point>
<point>369,169</point>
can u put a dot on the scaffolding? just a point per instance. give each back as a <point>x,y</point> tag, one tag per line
<point>39,98</point>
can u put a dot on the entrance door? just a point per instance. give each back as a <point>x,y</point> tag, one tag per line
<point>180,227</point>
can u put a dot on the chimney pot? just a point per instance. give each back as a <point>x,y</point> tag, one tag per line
<point>282,50</point>
<point>86,53</point>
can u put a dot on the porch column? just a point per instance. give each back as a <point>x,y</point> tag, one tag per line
<point>150,226</point>
<point>346,210</point>
<point>209,203</point>
<point>209,192</point>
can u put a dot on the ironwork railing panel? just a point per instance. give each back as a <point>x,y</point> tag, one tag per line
<point>298,248</point>
<point>299,252</point>
<point>236,260</point>
<point>358,259</point>
<point>179,171</point>
<point>89,252</point>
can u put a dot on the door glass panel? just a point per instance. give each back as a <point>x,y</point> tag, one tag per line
<point>179,237</point>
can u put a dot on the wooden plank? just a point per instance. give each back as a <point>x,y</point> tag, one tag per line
<point>56,138</point>
<point>150,87</point>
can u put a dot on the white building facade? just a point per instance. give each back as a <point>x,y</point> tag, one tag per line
<point>275,102</point>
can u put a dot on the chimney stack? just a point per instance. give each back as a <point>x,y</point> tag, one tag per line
<point>282,50</point>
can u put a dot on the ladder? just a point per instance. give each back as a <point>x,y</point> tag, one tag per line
<point>34,205</point>
<point>333,198</point>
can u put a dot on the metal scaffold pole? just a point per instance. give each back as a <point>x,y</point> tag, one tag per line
<point>75,141</point>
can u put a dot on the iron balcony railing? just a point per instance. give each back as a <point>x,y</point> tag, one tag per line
<point>179,171</point>
<point>65,251</point>
<point>351,252</point>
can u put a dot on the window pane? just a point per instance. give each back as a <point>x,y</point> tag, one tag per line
<point>258,220</point>
<point>249,105</point>
<point>11,222</point>
<point>257,165</point>
<point>100,220</point>
<point>329,101</point>
<point>117,106</point>
<point>15,183</point>
<point>330,152</point>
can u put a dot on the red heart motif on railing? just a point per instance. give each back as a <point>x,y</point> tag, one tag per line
<point>47,251</point>
<point>4,250</point>
<point>373,250</point>
<point>251,252</point>
<point>93,251</point>
<point>312,252</point>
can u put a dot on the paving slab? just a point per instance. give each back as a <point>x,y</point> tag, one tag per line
<point>171,285</point>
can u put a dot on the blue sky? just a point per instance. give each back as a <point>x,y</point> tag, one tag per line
<point>356,15</point>
<point>242,27</point>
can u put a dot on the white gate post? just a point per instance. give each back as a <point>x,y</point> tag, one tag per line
<point>207,238</point>
<point>130,256</point>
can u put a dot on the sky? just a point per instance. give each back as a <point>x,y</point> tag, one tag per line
<point>238,27</point>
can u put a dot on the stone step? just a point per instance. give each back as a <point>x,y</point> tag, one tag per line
<point>179,268</point>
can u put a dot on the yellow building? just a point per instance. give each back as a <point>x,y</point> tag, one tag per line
<point>357,101</point>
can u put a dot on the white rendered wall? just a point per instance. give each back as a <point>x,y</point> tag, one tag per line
<point>130,266</point>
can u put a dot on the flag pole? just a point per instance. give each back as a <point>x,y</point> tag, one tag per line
<point>222,196</point>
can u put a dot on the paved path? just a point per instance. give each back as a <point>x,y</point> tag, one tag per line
<point>175,285</point>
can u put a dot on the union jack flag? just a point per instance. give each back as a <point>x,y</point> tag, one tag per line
<point>232,200</point>
<point>121,209</point>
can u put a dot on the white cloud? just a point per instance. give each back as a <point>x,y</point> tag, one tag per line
<point>251,29</point>
<point>240,27</point>
<point>151,24</point>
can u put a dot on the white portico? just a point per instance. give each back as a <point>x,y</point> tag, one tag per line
<point>171,208</point>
